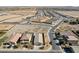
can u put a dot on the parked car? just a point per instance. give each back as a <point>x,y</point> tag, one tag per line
<point>6,45</point>
<point>68,50</point>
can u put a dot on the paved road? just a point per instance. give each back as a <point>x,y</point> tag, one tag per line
<point>51,33</point>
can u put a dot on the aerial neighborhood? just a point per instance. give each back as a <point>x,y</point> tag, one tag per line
<point>39,29</point>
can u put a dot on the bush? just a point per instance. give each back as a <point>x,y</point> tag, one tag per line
<point>73,22</point>
<point>77,32</point>
<point>2,40</point>
<point>41,47</point>
<point>66,21</point>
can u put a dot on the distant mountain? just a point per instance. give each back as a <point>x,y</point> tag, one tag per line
<point>66,7</point>
<point>43,7</point>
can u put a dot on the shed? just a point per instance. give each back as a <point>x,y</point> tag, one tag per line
<point>73,40</point>
<point>15,38</point>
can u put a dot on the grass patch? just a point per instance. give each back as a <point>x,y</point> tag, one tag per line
<point>2,33</point>
<point>2,40</point>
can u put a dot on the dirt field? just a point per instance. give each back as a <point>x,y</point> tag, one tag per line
<point>64,27</point>
<point>23,12</point>
<point>42,19</point>
<point>17,19</point>
<point>5,17</point>
<point>5,27</point>
<point>10,15</point>
<point>70,13</point>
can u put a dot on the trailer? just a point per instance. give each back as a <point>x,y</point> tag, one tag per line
<point>26,38</point>
<point>15,37</point>
<point>41,38</point>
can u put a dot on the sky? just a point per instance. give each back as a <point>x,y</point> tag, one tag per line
<point>39,3</point>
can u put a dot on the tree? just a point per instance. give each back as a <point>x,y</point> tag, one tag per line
<point>77,20</point>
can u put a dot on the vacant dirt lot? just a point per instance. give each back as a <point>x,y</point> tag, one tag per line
<point>70,13</point>
<point>5,27</point>
<point>42,19</point>
<point>23,12</point>
<point>64,27</point>
<point>5,17</point>
<point>10,15</point>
